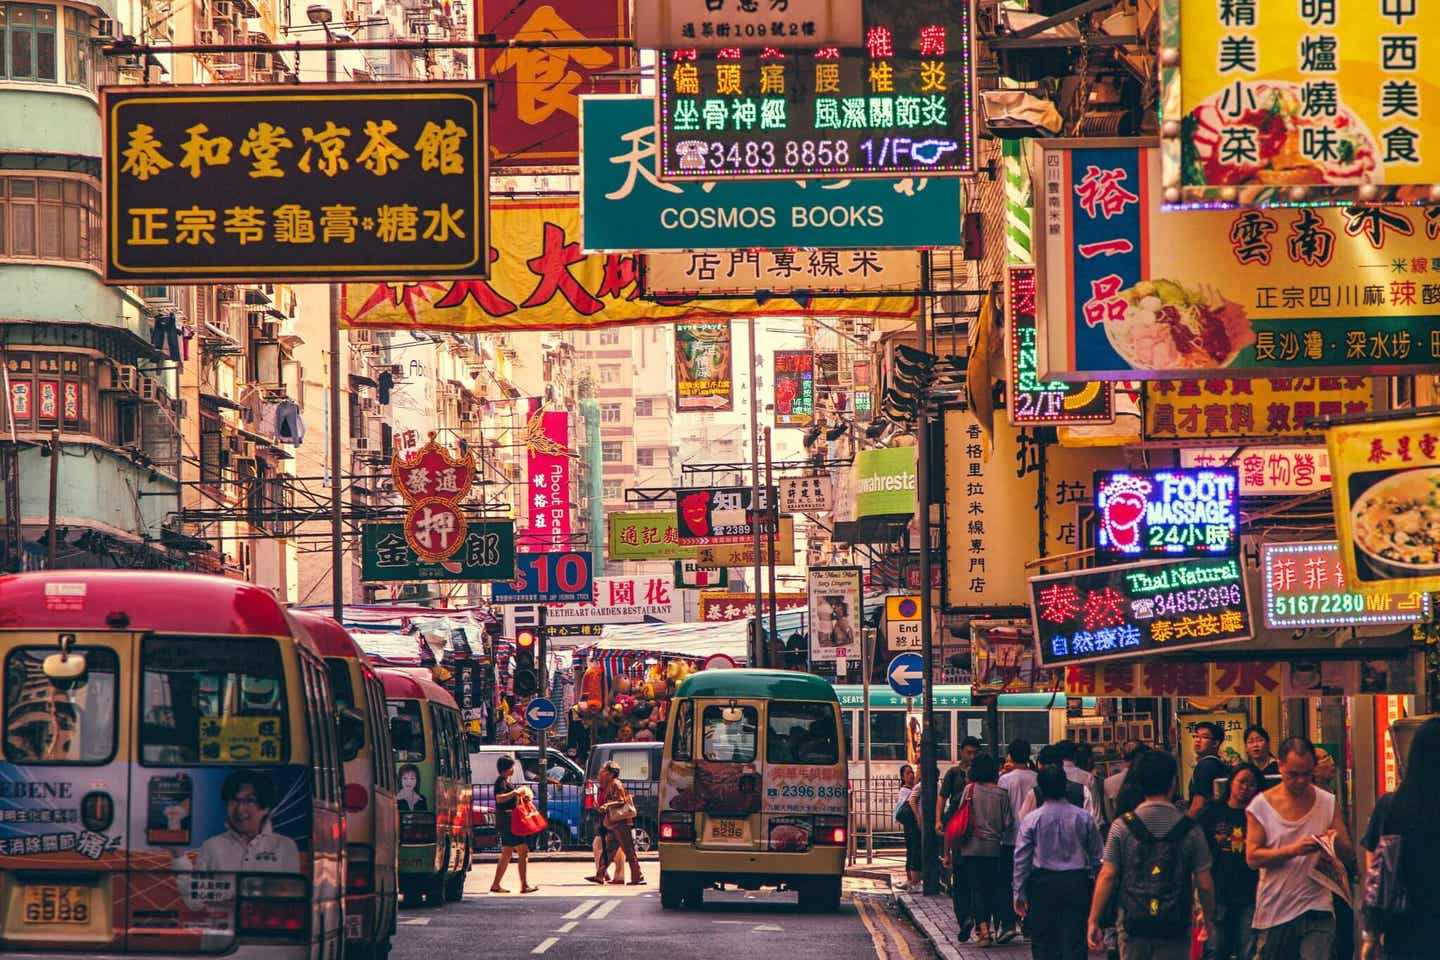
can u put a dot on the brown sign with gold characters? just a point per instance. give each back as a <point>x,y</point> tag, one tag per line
<point>322,182</point>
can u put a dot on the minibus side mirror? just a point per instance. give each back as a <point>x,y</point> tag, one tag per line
<point>350,727</point>
<point>402,734</point>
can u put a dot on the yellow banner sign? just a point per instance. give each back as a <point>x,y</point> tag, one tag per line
<point>540,280</point>
<point>1238,409</point>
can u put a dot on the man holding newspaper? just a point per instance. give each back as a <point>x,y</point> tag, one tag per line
<point>1297,840</point>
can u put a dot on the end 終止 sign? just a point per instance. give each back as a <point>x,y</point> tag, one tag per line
<point>382,181</point>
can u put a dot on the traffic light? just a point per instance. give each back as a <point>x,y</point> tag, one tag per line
<point>523,675</point>
<point>911,371</point>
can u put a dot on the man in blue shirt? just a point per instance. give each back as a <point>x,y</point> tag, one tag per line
<point>1057,854</point>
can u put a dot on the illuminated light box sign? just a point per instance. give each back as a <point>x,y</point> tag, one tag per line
<point>1036,401</point>
<point>1166,513</point>
<point>1137,609</point>
<point>794,388</point>
<point>902,104</point>
<point>1305,586</point>
<point>714,24</point>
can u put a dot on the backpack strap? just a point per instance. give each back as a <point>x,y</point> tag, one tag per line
<point>1137,828</point>
<point>1178,831</point>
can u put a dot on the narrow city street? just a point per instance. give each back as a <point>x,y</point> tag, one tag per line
<point>568,917</point>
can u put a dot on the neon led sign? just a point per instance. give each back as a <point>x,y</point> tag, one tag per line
<point>1036,401</point>
<point>1134,609</point>
<point>1305,586</point>
<point>1182,512</point>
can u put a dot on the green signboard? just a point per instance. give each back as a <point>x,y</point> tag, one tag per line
<point>645,535</point>
<point>488,554</point>
<point>625,206</point>
<point>885,482</point>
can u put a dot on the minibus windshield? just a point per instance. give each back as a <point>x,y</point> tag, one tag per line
<point>50,722</point>
<point>212,700</point>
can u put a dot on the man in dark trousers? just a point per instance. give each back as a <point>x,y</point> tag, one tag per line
<point>1057,854</point>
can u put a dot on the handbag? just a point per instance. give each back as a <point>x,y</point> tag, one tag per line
<point>525,820</point>
<point>1383,895</point>
<point>961,822</point>
<point>626,811</point>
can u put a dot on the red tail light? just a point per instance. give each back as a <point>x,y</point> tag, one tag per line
<point>359,877</point>
<point>356,798</point>
<point>592,794</point>
<point>677,828</point>
<point>831,832</point>
<point>275,907</point>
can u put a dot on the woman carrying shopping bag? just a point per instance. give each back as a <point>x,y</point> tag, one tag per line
<point>508,802</point>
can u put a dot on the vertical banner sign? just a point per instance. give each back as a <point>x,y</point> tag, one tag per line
<point>536,110</point>
<point>794,388</point>
<point>835,613</point>
<point>433,483</point>
<point>703,363</point>
<point>1036,401</point>
<point>903,107</point>
<point>1387,503</point>
<point>547,456</point>
<point>1130,293</point>
<point>1256,105</point>
<point>386,181</point>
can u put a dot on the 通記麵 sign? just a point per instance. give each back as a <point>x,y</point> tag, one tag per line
<point>315,183</point>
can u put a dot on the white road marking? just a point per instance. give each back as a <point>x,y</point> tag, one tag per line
<point>728,921</point>
<point>579,911</point>
<point>546,944</point>
<point>605,910</point>
<point>567,927</point>
<point>413,921</point>
<point>768,928</point>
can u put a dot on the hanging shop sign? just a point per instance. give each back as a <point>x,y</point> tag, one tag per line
<point>988,497</point>
<point>1267,471</point>
<point>710,515</point>
<point>548,578</point>
<point>781,544</point>
<point>547,456</point>
<point>536,99</point>
<point>1280,124</point>
<point>1271,407</point>
<point>1305,586</point>
<point>715,24</point>
<point>809,494</point>
<point>794,388</point>
<point>645,535</point>
<point>1031,400</point>
<point>540,280</point>
<point>1138,608</point>
<point>835,612</point>
<point>1387,502</point>
<point>218,184</point>
<point>487,553</point>
<point>884,482</point>
<point>628,207</point>
<point>1128,292</point>
<point>1002,659</point>
<point>905,106</point>
<point>703,361</point>
<point>718,606</point>
<point>433,484</point>
<point>690,575</point>
<point>1166,513</point>
<point>1390,675</point>
<point>622,600</point>
<point>768,272</point>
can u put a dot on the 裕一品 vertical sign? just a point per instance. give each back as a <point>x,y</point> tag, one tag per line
<point>1261,106</point>
<point>314,183</point>
<point>901,105</point>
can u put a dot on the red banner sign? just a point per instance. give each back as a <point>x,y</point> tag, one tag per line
<point>548,453</point>
<point>433,483</point>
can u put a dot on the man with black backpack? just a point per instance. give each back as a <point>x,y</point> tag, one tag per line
<point>1158,860</point>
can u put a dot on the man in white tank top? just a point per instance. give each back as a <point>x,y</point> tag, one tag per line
<point>1294,915</point>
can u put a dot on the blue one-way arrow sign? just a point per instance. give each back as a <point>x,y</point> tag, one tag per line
<point>540,714</point>
<point>906,674</point>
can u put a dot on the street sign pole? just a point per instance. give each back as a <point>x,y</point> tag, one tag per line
<point>758,652</point>
<point>929,773</point>
<point>867,647</point>
<point>542,689</point>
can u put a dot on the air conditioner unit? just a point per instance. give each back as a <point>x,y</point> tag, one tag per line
<point>260,62</point>
<point>359,336</point>
<point>224,10</point>
<point>370,405</point>
<point>468,416</point>
<point>270,330</point>
<point>396,370</point>
<point>155,294</point>
<point>360,445</point>
<point>127,378</point>
<point>148,387</point>
<point>104,28</point>
<point>204,37</point>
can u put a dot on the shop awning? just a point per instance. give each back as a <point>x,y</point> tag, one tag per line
<point>214,399</point>
<point>691,640</point>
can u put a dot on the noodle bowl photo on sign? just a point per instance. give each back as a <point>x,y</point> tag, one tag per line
<point>1387,502</point>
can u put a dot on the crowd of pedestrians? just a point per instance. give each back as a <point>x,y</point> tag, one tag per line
<point>1241,862</point>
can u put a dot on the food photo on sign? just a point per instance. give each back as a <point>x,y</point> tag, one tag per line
<point>1387,502</point>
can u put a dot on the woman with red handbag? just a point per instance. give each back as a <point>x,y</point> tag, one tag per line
<point>508,801</point>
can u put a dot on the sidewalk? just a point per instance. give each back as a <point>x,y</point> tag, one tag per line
<point>935,918</point>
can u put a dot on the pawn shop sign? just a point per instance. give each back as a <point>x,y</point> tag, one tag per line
<point>902,623</point>
<point>433,483</point>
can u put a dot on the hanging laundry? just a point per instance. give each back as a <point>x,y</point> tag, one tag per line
<point>387,383</point>
<point>166,334</point>
<point>289,427</point>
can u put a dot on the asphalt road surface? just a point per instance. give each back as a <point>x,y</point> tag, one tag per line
<point>568,917</point>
